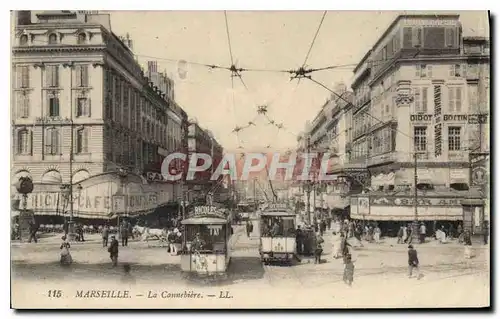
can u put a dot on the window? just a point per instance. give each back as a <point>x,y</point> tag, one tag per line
<point>449,37</point>
<point>454,138</point>
<point>455,99</point>
<point>82,75</point>
<point>53,39</point>
<point>82,107</point>
<point>23,40</point>
<point>420,71</point>
<point>52,76</point>
<point>420,98</point>
<point>53,106</point>
<point>420,139</point>
<point>24,105</point>
<point>23,76</point>
<point>52,141</point>
<point>82,140</point>
<point>82,38</point>
<point>23,142</point>
<point>417,37</point>
<point>456,71</point>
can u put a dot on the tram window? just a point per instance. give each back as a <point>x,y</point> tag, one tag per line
<point>277,227</point>
<point>213,237</point>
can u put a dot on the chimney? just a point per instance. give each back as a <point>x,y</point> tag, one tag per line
<point>23,17</point>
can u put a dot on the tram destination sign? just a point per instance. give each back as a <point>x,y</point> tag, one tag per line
<point>282,206</point>
<point>205,211</point>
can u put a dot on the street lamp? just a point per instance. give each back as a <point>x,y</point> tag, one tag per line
<point>67,192</point>
<point>122,174</point>
<point>24,186</point>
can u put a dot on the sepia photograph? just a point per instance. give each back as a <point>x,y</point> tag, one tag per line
<point>249,159</point>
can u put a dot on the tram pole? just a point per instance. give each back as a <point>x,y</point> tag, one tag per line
<point>308,184</point>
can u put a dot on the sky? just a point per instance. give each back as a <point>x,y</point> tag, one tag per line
<point>271,40</point>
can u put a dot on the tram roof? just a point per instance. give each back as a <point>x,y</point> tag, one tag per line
<point>204,221</point>
<point>277,213</point>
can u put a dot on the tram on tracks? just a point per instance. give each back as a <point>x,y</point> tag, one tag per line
<point>277,234</point>
<point>206,249</point>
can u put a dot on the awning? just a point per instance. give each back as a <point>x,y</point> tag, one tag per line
<point>408,218</point>
<point>472,202</point>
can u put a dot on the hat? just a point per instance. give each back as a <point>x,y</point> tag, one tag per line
<point>113,236</point>
<point>410,246</point>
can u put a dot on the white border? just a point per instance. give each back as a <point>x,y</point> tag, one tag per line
<point>186,5</point>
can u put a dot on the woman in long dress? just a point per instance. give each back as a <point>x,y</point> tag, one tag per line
<point>467,245</point>
<point>337,246</point>
<point>66,258</point>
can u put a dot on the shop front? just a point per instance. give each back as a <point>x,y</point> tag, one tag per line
<point>98,198</point>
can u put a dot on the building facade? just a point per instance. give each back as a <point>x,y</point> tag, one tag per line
<point>202,141</point>
<point>82,109</point>
<point>421,98</point>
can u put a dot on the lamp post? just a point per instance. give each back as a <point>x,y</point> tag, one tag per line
<point>24,186</point>
<point>122,174</point>
<point>67,192</point>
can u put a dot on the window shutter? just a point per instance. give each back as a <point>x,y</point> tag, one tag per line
<point>55,141</point>
<point>85,75</point>
<point>19,75</point>
<point>407,37</point>
<point>15,141</point>
<point>424,99</point>
<point>458,98</point>
<point>30,145</point>
<point>451,99</point>
<point>26,105</point>
<point>48,76</point>
<point>48,141</point>
<point>85,142</point>
<point>417,100</point>
<point>55,76</point>
<point>78,75</point>
<point>452,70</point>
<point>429,71</point>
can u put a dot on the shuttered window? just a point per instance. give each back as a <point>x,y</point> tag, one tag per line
<point>454,99</point>
<point>52,141</point>
<point>407,38</point>
<point>23,77</point>
<point>82,141</point>
<point>23,104</point>
<point>82,75</point>
<point>52,76</point>
<point>24,142</point>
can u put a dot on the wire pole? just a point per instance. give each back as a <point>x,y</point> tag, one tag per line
<point>415,190</point>
<point>308,184</point>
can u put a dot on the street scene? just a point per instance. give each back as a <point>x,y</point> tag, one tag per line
<point>147,173</point>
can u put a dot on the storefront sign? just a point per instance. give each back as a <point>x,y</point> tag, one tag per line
<point>203,211</point>
<point>408,201</point>
<point>469,118</point>
<point>56,202</point>
<point>421,117</point>
<point>282,206</point>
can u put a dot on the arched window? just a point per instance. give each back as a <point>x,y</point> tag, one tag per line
<point>82,38</point>
<point>23,40</point>
<point>53,38</point>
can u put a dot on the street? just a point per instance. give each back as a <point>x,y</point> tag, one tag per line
<point>379,268</point>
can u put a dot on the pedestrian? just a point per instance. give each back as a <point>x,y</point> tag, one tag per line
<point>400,234</point>
<point>80,233</point>
<point>127,277</point>
<point>451,231</point>
<point>348,270</point>
<point>299,240</point>
<point>459,230</point>
<point>322,226</point>
<point>413,262</point>
<point>329,222</point>
<point>344,245</point>
<point>377,233</point>
<point>124,233</point>
<point>467,245</point>
<point>32,229</point>
<point>249,227</point>
<point>409,237</point>
<point>423,231</point>
<point>66,227</point>
<point>318,249</point>
<point>171,237</point>
<point>113,250</point>
<point>105,235</point>
<point>486,232</point>
<point>66,258</point>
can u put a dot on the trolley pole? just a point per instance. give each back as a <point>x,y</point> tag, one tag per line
<point>415,232</point>
<point>308,184</point>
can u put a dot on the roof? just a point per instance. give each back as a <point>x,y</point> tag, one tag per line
<point>204,221</point>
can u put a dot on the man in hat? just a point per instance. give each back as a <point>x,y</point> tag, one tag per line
<point>113,250</point>
<point>197,243</point>
<point>412,261</point>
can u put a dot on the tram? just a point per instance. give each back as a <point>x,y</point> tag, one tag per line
<point>207,232</point>
<point>277,234</point>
